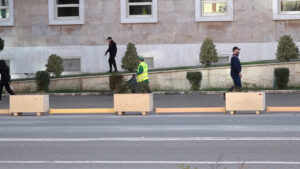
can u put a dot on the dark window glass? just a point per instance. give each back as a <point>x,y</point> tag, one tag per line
<point>140,10</point>
<point>60,2</point>
<point>3,2</point>
<point>134,1</point>
<point>67,11</point>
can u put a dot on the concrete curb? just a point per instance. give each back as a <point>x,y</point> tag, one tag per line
<point>175,93</point>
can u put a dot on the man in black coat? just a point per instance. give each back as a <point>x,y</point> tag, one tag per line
<point>5,79</point>
<point>236,70</point>
<point>112,50</point>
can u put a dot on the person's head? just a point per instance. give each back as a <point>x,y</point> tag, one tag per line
<point>109,39</point>
<point>141,59</point>
<point>236,50</point>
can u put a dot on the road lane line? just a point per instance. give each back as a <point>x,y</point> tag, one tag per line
<point>157,162</point>
<point>150,139</point>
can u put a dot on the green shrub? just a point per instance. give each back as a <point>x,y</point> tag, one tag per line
<point>282,77</point>
<point>55,65</point>
<point>208,53</point>
<point>122,88</point>
<point>42,79</point>
<point>114,80</point>
<point>143,87</point>
<point>287,49</point>
<point>1,44</point>
<point>195,79</point>
<point>130,60</point>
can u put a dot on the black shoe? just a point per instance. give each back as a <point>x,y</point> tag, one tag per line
<point>116,71</point>
<point>109,71</point>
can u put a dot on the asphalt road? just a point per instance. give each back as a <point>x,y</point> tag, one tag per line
<point>152,142</point>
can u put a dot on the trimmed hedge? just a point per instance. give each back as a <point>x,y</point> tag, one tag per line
<point>1,44</point>
<point>115,80</point>
<point>287,49</point>
<point>55,65</point>
<point>195,79</point>
<point>42,79</point>
<point>282,77</point>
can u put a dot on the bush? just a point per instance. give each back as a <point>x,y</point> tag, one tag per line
<point>195,79</point>
<point>130,60</point>
<point>42,79</point>
<point>114,80</point>
<point>143,87</point>
<point>122,88</point>
<point>282,77</point>
<point>55,65</point>
<point>208,52</point>
<point>287,49</point>
<point>1,44</point>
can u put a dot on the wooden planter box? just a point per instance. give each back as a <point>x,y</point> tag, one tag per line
<point>29,104</point>
<point>245,101</point>
<point>133,103</point>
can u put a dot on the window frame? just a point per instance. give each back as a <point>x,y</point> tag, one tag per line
<point>279,15</point>
<point>55,20</point>
<point>200,17</point>
<point>126,18</point>
<point>10,20</point>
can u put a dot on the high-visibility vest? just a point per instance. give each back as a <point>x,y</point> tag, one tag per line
<point>144,76</point>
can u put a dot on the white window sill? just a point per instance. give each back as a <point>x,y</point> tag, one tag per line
<point>7,22</point>
<point>214,18</point>
<point>286,16</point>
<point>66,22</point>
<point>139,20</point>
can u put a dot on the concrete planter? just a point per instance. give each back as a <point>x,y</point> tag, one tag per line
<point>29,104</point>
<point>245,101</point>
<point>133,103</point>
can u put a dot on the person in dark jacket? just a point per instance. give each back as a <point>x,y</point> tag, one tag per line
<point>236,70</point>
<point>5,79</point>
<point>112,50</point>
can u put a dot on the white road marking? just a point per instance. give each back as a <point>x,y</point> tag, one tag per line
<point>157,162</point>
<point>150,139</point>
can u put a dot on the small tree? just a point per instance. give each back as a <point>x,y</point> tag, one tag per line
<point>287,49</point>
<point>115,80</point>
<point>55,65</point>
<point>282,77</point>
<point>208,52</point>
<point>195,79</point>
<point>1,44</point>
<point>42,79</point>
<point>130,60</point>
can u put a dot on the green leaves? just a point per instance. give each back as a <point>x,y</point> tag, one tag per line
<point>282,77</point>
<point>55,65</point>
<point>130,60</point>
<point>42,79</point>
<point>287,49</point>
<point>208,52</point>
<point>195,79</point>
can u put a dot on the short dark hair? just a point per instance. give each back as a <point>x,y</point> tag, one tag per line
<point>235,48</point>
<point>109,38</point>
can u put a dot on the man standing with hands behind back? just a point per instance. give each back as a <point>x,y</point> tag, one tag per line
<point>112,50</point>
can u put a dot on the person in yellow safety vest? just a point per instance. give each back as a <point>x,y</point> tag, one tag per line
<point>142,73</point>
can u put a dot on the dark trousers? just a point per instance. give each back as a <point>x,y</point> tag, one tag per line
<point>112,62</point>
<point>237,83</point>
<point>7,87</point>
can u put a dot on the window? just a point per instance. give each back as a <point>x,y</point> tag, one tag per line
<point>213,10</point>
<point>72,65</point>
<point>286,9</point>
<point>6,13</point>
<point>138,11</point>
<point>66,12</point>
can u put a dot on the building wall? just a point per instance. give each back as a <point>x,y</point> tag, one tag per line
<point>174,41</point>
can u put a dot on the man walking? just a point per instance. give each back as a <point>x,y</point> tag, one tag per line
<point>236,70</point>
<point>112,50</point>
<point>142,74</point>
